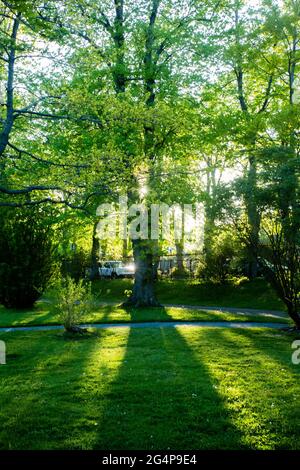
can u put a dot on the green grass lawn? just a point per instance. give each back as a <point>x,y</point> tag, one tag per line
<point>45,314</point>
<point>168,388</point>
<point>255,294</point>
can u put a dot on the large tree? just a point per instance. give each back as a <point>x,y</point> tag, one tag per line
<point>138,54</point>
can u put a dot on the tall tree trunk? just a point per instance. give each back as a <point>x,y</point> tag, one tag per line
<point>95,254</point>
<point>294,315</point>
<point>288,200</point>
<point>179,255</point>
<point>143,294</point>
<point>156,258</point>
<point>143,290</point>
<point>250,198</point>
<point>103,249</point>
<point>209,217</point>
<point>119,75</point>
<point>179,246</point>
<point>253,217</point>
<point>124,248</point>
<point>8,121</point>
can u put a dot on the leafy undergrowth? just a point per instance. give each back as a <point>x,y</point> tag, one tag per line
<point>174,388</point>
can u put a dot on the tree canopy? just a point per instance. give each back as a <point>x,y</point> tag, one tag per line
<point>175,101</point>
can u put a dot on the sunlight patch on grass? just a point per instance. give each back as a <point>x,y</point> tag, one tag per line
<point>184,387</point>
<point>112,314</point>
<point>255,372</point>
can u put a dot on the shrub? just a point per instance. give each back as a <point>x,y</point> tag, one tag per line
<point>75,265</point>
<point>221,259</point>
<point>74,302</point>
<point>27,259</point>
<point>179,273</point>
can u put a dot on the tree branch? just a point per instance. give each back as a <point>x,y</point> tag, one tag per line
<point>47,162</point>
<point>9,120</point>
<point>267,95</point>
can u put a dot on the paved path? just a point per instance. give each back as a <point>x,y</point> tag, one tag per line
<point>166,324</point>
<point>239,310</point>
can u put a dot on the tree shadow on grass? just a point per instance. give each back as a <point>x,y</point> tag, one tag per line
<point>41,318</point>
<point>273,345</point>
<point>104,312</point>
<point>42,398</point>
<point>163,397</point>
<point>263,388</point>
<point>146,388</point>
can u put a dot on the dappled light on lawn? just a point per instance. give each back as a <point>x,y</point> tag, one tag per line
<point>259,385</point>
<point>160,388</point>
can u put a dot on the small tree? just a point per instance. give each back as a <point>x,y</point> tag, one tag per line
<point>75,264</point>
<point>27,260</point>
<point>74,302</point>
<point>219,256</point>
<point>280,261</point>
<point>278,247</point>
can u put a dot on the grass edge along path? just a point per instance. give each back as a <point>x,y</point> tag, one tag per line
<point>161,324</point>
<point>45,315</point>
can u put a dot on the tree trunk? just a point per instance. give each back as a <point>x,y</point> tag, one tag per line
<point>143,251</point>
<point>253,218</point>
<point>250,199</point>
<point>179,255</point>
<point>95,254</point>
<point>143,289</point>
<point>143,294</point>
<point>294,315</point>
<point>124,248</point>
<point>9,118</point>
<point>209,206</point>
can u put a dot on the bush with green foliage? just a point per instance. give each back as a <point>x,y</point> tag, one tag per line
<point>74,302</point>
<point>221,259</point>
<point>75,264</point>
<point>177,273</point>
<point>27,256</point>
